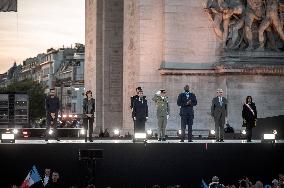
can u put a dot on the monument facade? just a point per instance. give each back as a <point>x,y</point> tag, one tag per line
<point>236,45</point>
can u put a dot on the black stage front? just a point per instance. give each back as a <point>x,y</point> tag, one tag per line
<point>125,164</point>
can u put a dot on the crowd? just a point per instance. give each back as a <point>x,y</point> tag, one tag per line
<point>51,179</point>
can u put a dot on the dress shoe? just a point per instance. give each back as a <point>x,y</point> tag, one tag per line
<point>91,140</point>
<point>46,139</point>
<point>221,140</point>
<point>58,139</point>
<point>159,139</point>
<point>248,140</point>
<point>181,141</point>
<point>190,141</point>
<point>163,139</point>
<point>85,139</point>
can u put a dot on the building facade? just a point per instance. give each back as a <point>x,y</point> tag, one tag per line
<point>170,43</point>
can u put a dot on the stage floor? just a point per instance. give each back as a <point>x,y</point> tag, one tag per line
<point>112,141</point>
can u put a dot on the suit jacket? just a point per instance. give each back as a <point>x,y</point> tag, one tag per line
<point>85,106</point>
<point>140,109</point>
<point>216,109</point>
<point>52,105</point>
<point>133,98</point>
<point>163,108</point>
<point>186,109</point>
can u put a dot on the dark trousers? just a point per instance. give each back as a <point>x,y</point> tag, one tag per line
<point>88,122</point>
<point>51,123</point>
<point>219,127</point>
<point>139,125</point>
<point>249,133</point>
<point>186,120</point>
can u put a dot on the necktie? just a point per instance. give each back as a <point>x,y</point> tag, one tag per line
<point>220,101</point>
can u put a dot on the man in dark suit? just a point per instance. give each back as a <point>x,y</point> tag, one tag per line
<point>186,101</point>
<point>134,97</point>
<point>219,113</point>
<point>52,107</point>
<point>140,113</point>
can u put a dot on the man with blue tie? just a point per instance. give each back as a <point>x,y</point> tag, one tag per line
<point>186,101</point>
<point>219,113</point>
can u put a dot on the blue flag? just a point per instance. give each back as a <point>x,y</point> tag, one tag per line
<point>203,184</point>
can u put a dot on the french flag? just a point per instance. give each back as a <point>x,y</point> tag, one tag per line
<point>32,178</point>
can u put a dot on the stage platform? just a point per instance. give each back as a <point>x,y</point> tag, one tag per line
<point>126,164</point>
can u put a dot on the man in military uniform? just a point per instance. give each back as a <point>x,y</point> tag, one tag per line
<point>140,113</point>
<point>163,112</point>
<point>186,101</point>
<point>219,113</point>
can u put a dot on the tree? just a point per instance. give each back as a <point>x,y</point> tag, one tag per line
<point>36,96</point>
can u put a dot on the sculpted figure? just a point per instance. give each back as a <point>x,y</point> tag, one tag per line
<point>254,11</point>
<point>271,19</point>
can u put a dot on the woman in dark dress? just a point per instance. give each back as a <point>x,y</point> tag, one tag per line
<point>249,115</point>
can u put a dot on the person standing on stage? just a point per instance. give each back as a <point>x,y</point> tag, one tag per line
<point>88,114</point>
<point>140,113</point>
<point>219,113</point>
<point>52,107</point>
<point>163,113</point>
<point>249,114</point>
<point>186,101</point>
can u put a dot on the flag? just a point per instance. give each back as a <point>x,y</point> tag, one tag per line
<point>203,184</point>
<point>32,178</point>
<point>8,5</point>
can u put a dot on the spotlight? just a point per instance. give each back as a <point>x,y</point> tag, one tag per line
<point>149,132</point>
<point>268,138</point>
<point>244,132</point>
<point>274,132</point>
<point>64,115</point>
<point>59,116</point>
<point>82,131</point>
<point>50,131</point>
<point>116,132</point>
<point>15,131</point>
<point>211,134</point>
<point>139,137</point>
<point>70,115</point>
<point>75,116</point>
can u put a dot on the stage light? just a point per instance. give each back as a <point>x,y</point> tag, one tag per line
<point>50,131</point>
<point>244,132</point>
<point>211,134</point>
<point>15,131</point>
<point>116,132</point>
<point>139,137</point>
<point>64,115</point>
<point>274,132</point>
<point>59,116</point>
<point>70,115</point>
<point>268,138</point>
<point>75,116</point>
<point>7,138</point>
<point>25,133</point>
<point>149,132</point>
<point>82,131</point>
